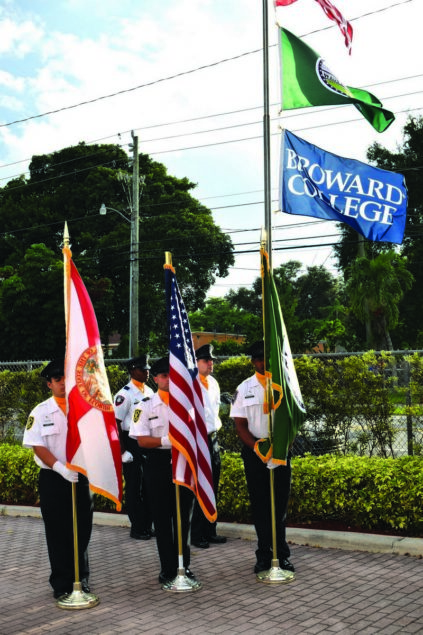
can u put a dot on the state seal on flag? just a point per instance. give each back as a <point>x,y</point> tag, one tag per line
<point>330,81</point>
<point>91,380</point>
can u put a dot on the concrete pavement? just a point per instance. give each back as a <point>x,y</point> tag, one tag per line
<point>345,583</point>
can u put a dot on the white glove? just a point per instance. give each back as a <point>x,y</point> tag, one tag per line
<point>127,457</point>
<point>165,442</point>
<point>271,464</point>
<point>69,475</point>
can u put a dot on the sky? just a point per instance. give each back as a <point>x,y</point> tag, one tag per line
<point>187,77</point>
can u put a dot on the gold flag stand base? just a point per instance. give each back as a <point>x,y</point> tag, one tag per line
<point>275,575</point>
<point>182,584</point>
<point>78,599</point>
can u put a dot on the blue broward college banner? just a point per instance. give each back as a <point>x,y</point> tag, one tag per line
<point>317,183</point>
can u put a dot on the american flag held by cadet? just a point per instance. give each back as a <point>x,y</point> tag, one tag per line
<point>92,445</point>
<point>191,465</point>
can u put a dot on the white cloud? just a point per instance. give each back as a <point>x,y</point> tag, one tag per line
<point>17,39</point>
<point>10,81</point>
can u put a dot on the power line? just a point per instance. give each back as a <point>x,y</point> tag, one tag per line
<point>208,145</point>
<point>182,73</point>
<point>286,115</point>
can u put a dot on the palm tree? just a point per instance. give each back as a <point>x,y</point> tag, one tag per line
<point>375,287</point>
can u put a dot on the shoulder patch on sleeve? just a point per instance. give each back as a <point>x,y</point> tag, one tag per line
<point>30,423</point>
<point>136,415</point>
<point>119,400</point>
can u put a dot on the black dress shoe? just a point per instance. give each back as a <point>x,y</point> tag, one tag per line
<point>190,574</point>
<point>217,540</point>
<point>59,594</point>
<point>261,565</point>
<point>201,544</point>
<point>144,535</point>
<point>85,586</point>
<point>164,577</point>
<point>285,564</point>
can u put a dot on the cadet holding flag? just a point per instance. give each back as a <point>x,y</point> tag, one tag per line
<point>268,411</point>
<point>150,427</point>
<point>46,433</point>
<point>251,422</point>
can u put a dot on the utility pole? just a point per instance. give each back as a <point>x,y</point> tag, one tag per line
<point>134,259</point>
<point>361,253</point>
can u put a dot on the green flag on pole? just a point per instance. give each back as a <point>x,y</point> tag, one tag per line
<point>283,394</point>
<point>307,81</point>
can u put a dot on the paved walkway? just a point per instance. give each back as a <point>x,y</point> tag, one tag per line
<point>335,590</point>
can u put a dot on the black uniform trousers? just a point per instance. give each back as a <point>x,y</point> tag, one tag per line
<point>136,499</point>
<point>201,527</point>
<point>162,497</point>
<point>258,483</point>
<point>56,509</point>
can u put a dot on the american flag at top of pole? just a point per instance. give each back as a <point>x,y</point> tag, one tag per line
<point>191,464</point>
<point>333,14</point>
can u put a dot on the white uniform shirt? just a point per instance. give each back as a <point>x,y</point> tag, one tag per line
<point>47,426</point>
<point>150,419</point>
<point>248,403</point>
<point>211,400</point>
<point>126,401</point>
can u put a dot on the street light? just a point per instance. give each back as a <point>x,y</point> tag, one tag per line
<point>133,274</point>
<point>103,212</point>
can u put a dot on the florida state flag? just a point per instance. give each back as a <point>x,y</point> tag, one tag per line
<point>92,445</point>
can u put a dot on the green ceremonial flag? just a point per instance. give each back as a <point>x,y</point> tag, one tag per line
<point>307,81</point>
<point>285,394</point>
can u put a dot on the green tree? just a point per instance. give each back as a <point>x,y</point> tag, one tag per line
<point>307,301</point>
<point>218,316</point>
<point>377,286</point>
<point>71,185</point>
<point>407,160</point>
<point>32,326</point>
<point>316,290</point>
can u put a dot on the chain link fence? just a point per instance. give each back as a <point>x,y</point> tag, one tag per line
<point>354,406</point>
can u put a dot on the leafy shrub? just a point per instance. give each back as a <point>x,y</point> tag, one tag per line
<point>18,475</point>
<point>233,504</point>
<point>228,436</point>
<point>348,402</point>
<point>20,391</point>
<point>372,493</point>
<point>117,377</point>
<point>369,492</point>
<point>232,372</point>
